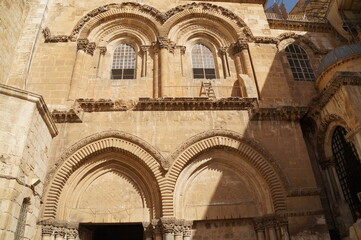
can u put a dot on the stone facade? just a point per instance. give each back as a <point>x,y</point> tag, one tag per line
<point>245,155</point>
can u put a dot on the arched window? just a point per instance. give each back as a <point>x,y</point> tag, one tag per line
<point>299,63</point>
<point>123,66</point>
<point>348,167</point>
<point>203,62</point>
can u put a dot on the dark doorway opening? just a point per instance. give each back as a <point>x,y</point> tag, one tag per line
<point>111,231</point>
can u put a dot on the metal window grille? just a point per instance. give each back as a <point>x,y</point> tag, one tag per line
<point>348,168</point>
<point>203,62</point>
<point>299,63</point>
<point>20,228</point>
<point>123,66</point>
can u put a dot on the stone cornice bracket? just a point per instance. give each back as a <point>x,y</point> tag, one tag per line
<point>164,43</point>
<point>84,45</point>
<point>103,50</point>
<point>266,40</point>
<point>284,113</point>
<point>53,39</point>
<point>68,116</point>
<point>299,25</point>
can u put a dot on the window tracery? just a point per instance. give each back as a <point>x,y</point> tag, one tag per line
<point>123,65</point>
<point>299,63</point>
<point>203,62</point>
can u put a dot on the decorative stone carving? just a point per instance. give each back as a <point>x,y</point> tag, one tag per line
<point>182,49</point>
<point>187,227</point>
<point>285,113</point>
<point>301,192</point>
<point>239,46</point>
<point>223,50</point>
<point>53,39</point>
<point>82,44</point>
<point>168,224</point>
<point>69,116</point>
<point>300,26</point>
<point>102,50</point>
<point>164,43</point>
<point>47,230</point>
<point>197,103</point>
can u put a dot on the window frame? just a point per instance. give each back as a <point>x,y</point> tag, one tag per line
<point>204,59</point>
<point>123,60</point>
<point>299,63</point>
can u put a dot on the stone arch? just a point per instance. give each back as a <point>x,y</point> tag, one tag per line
<point>148,14</point>
<point>259,158</point>
<point>94,145</point>
<point>234,24</point>
<point>287,38</point>
<point>326,130</point>
<point>88,197</point>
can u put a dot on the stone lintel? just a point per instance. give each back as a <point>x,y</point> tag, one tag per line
<point>35,98</point>
<point>284,113</point>
<point>299,25</point>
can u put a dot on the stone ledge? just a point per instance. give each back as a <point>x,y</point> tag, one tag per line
<point>35,98</point>
<point>285,113</point>
<point>299,26</point>
<point>70,116</point>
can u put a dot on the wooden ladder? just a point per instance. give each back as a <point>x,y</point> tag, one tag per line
<point>207,90</point>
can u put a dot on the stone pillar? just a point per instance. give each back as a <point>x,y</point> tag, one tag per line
<point>223,53</point>
<point>84,47</point>
<point>270,223</point>
<point>182,52</point>
<point>145,51</point>
<point>168,224</point>
<point>164,45</point>
<point>102,51</point>
<point>259,228</point>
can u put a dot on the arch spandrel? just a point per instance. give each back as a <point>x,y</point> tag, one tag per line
<point>249,150</point>
<point>92,146</point>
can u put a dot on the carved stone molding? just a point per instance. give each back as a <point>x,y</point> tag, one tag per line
<point>164,43</point>
<point>302,213</point>
<point>300,26</point>
<point>68,116</point>
<point>63,229</point>
<point>302,192</point>
<point>86,46</point>
<point>197,103</point>
<point>285,113</point>
<point>53,39</point>
<point>103,50</point>
<point>340,79</point>
<point>168,224</point>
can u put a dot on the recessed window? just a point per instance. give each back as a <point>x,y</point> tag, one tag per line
<point>348,168</point>
<point>203,62</point>
<point>123,66</point>
<point>299,63</point>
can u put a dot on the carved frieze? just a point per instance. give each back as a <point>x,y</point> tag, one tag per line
<point>302,192</point>
<point>197,103</point>
<point>84,45</point>
<point>53,39</point>
<point>285,113</point>
<point>68,116</point>
<point>299,25</point>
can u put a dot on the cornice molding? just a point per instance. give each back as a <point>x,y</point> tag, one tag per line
<point>300,26</point>
<point>68,116</point>
<point>340,79</point>
<point>35,98</point>
<point>284,113</point>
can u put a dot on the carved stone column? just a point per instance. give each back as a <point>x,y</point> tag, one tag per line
<point>47,232</point>
<point>145,51</point>
<point>156,72</point>
<point>165,46</point>
<point>156,229</point>
<point>270,223</point>
<point>182,50</point>
<point>259,228</point>
<point>59,233</point>
<point>178,229</point>
<point>102,51</point>
<point>168,224</point>
<point>225,66</point>
<point>148,235</point>
<point>283,228</point>
<point>187,227</point>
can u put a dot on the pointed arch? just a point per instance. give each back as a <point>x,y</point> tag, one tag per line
<point>249,150</point>
<point>78,155</point>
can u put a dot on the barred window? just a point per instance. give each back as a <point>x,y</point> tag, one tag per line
<point>348,168</point>
<point>203,62</point>
<point>299,63</point>
<point>123,66</point>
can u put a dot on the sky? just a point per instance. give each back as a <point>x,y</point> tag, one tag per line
<point>289,3</point>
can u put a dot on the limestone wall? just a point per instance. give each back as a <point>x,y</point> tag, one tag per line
<point>26,132</point>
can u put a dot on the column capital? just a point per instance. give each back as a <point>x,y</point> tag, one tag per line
<point>164,43</point>
<point>84,45</point>
<point>223,50</point>
<point>47,230</point>
<point>239,46</point>
<point>102,50</point>
<point>145,48</point>
<point>168,224</point>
